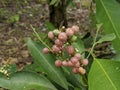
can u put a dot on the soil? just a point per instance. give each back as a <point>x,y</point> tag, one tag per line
<point>13,36</point>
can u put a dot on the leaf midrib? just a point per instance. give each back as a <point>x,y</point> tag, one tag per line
<point>106,74</point>
<point>48,63</point>
<point>110,19</point>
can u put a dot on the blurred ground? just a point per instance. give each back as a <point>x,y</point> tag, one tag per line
<point>14,34</point>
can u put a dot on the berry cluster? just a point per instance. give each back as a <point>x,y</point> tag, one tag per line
<point>62,41</point>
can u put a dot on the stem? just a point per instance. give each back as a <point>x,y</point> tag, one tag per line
<point>94,43</point>
<point>39,38</point>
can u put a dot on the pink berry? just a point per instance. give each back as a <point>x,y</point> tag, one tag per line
<point>46,50</point>
<point>64,63</point>
<point>75,70</point>
<point>55,48</point>
<point>74,60</point>
<point>77,64</point>
<point>62,36</point>
<point>58,63</point>
<point>70,64</point>
<point>50,35</point>
<point>78,55</point>
<point>70,49</point>
<point>58,42</point>
<point>82,70</point>
<point>61,48</point>
<point>75,28</point>
<point>85,62</point>
<point>69,32</point>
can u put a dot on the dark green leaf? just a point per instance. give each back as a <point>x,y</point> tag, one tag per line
<point>46,61</point>
<point>26,81</point>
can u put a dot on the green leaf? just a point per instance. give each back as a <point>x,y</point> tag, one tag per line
<point>26,81</point>
<point>108,13</point>
<point>108,37</point>
<point>50,26</point>
<point>104,75</point>
<point>79,45</point>
<point>74,79</point>
<point>53,2</point>
<point>46,61</point>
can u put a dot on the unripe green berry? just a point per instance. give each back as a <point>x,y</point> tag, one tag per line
<point>73,38</point>
<point>56,32</point>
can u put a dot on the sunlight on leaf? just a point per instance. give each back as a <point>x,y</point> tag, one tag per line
<point>104,75</point>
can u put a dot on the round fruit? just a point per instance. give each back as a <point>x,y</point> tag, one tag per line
<point>55,48</point>
<point>69,32</point>
<point>78,55</point>
<point>77,64</point>
<point>58,42</point>
<point>70,49</point>
<point>58,63</point>
<point>64,63</point>
<point>82,70</point>
<point>62,36</point>
<point>46,50</point>
<point>50,35</point>
<point>73,38</point>
<point>75,70</point>
<point>70,64</point>
<point>85,62</point>
<point>75,29</point>
<point>74,60</point>
<point>56,32</point>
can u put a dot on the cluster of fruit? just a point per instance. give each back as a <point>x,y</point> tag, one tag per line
<point>62,41</point>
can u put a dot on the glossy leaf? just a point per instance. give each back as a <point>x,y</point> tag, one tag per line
<point>104,75</point>
<point>108,37</point>
<point>108,13</point>
<point>25,81</point>
<point>79,45</point>
<point>74,79</point>
<point>46,61</point>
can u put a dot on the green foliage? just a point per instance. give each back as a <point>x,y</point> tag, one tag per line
<point>73,78</point>
<point>50,26</point>
<point>47,63</point>
<point>108,13</point>
<point>104,75</point>
<point>25,81</point>
<point>54,2</point>
<point>14,18</point>
<point>108,37</point>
